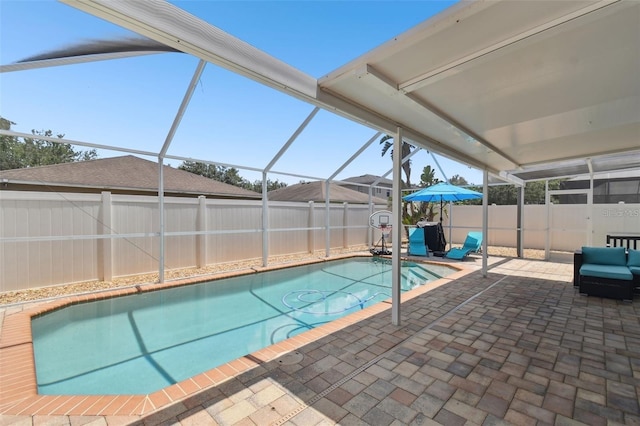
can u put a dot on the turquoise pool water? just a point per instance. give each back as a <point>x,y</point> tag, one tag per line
<point>141,343</point>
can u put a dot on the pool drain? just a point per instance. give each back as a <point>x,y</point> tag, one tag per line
<point>290,358</point>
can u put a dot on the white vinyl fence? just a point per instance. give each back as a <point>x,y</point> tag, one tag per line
<point>564,227</point>
<point>53,238</point>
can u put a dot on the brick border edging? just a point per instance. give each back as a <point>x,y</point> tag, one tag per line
<point>19,394</point>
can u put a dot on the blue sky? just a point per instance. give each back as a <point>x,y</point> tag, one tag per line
<point>132,102</point>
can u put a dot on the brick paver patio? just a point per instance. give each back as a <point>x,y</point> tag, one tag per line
<point>520,346</point>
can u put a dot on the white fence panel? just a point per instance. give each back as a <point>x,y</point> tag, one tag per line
<point>52,238</point>
<point>27,264</point>
<point>358,225</point>
<point>615,219</point>
<point>287,215</point>
<point>568,226</point>
<point>181,215</point>
<point>231,215</point>
<point>135,215</point>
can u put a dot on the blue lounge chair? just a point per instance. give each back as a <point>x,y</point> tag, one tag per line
<point>472,244</point>
<point>417,246</point>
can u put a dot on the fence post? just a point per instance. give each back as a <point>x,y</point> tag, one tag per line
<point>345,223</point>
<point>201,226</point>
<point>105,261</point>
<point>312,232</point>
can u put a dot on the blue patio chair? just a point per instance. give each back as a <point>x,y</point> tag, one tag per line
<point>417,245</point>
<point>472,244</point>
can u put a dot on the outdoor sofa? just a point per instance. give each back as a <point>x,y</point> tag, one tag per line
<point>611,272</point>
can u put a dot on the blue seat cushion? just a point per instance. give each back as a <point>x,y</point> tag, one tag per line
<point>612,272</point>
<point>635,270</point>
<point>458,253</point>
<point>634,258</point>
<point>604,256</point>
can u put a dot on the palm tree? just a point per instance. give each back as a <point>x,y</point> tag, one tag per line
<point>387,146</point>
<point>428,178</point>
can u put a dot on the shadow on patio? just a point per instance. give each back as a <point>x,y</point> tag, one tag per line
<point>518,347</point>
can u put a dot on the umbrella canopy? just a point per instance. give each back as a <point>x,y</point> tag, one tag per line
<point>441,192</point>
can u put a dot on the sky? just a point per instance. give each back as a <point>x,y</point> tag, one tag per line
<point>132,102</point>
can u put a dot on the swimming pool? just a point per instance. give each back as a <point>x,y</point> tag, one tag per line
<point>140,343</point>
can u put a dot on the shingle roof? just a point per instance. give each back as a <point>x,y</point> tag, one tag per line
<point>315,191</point>
<point>369,179</point>
<point>124,173</point>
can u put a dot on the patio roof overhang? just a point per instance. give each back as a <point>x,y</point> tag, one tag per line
<point>525,90</point>
<point>529,89</point>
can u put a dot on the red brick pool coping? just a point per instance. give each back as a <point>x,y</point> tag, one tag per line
<point>18,389</point>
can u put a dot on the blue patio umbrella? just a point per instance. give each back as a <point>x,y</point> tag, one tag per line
<point>442,192</point>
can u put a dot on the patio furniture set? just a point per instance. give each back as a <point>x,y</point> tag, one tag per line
<point>610,272</point>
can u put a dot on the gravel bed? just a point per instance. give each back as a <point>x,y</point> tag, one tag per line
<point>35,294</point>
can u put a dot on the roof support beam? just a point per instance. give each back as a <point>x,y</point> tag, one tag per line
<point>424,79</point>
<point>163,151</point>
<point>168,24</point>
<point>464,129</point>
<point>354,156</point>
<point>265,199</point>
<point>390,88</point>
<point>292,139</point>
<point>75,142</point>
<point>183,107</point>
<point>47,63</point>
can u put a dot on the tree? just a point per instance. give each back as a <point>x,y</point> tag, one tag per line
<point>256,186</point>
<point>229,175</point>
<point>19,153</point>
<point>458,180</point>
<point>428,177</point>
<point>210,171</point>
<point>534,193</point>
<point>387,146</point>
<point>224,174</point>
<point>426,210</point>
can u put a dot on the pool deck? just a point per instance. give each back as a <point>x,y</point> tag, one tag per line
<point>519,346</point>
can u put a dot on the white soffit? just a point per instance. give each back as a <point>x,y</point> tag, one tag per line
<point>513,84</point>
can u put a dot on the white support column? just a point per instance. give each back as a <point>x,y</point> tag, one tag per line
<point>161,214</point>
<point>201,226</point>
<point>370,229</point>
<point>547,235</point>
<point>327,221</point>
<point>396,227</point>
<point>590,211</point>
<point>312,224</point>
<point>163,151</point>
<point>450,222</point>
<point>520,222</point>
<point>265,221</point>
<point>485,221</point>
<point>345,224</point>
<point>106,244</point>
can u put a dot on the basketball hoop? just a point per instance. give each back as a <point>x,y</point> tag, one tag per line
<point>381,220</point>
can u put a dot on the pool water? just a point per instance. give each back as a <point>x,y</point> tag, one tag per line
<point>141,343</point>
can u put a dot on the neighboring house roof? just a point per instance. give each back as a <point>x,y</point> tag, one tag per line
<point>315,191</point>
<point>124,174</point>
<point>369,179</point>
